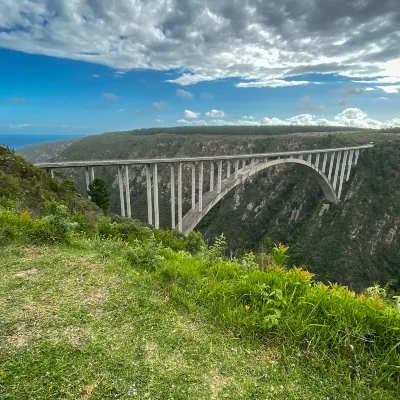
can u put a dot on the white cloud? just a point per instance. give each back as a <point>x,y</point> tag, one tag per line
<point>351,117</point>
<point>260,42</point>
<point>390,89</point>
<point>158,106</point>
<point>120,72</point>
<point>383,98</point>
<point>159,120</point>
<point>96,76</point>
<point>183,94</point>
<point>273,83</point>
<point>215,114</point>
<point>248,117</point>
<point>191,114</point>
<point>109,96</point>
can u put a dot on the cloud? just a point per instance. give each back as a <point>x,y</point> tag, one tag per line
<point>190,114</point>
<point>19,100</point>
<point>349,90</point>
<point>254,41</point>
<point>392,89</point>
<point>350,117</point>
<point>383,98</point>
<point>215,114</point>
<point>120,72</point>
<point>342,103</point>
<point>121,110</point>
<point>159,120</point>
<point>109,96</point>
<point>96,76</point>
<point>158,106</point>
<point>310,105</point>
<point>183,94</point>
<point>248,117</point>
<point>273,83</point>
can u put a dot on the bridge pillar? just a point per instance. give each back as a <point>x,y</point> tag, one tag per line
<point>91,174</point>
<point>127,193</point>
<point>193,185</point>
<point>149,199</point>
<point>344,164</point>
<point>155,193</point>
<point>212,176</point>
<point>219,184</point>
<point>335,178</point>
<point>228,169</point>
<point>237,169</point>
<point>317,160</point>
<point>309,157</point>
<point>357,154</point>
<point>301,157</point>
<point>243,163</point>
<point>52,173</point>
<point>121,190</point>
<point>350,164</point>
<point>331,166</point>
<point>324,162</point>
<point>201,170</point>
<point>180,197</point>
<point>172,196</point>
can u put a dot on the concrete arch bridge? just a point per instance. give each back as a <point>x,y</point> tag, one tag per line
<point>330,167</point>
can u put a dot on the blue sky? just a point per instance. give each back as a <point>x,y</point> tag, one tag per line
<point>64,72</point>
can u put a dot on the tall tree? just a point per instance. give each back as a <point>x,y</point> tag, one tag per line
<point>100,195</point>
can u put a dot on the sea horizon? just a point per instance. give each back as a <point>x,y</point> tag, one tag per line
<point>18,141</point>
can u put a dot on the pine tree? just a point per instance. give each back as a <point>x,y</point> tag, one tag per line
<point>100,195</point>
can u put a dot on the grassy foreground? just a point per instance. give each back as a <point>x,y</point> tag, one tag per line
<point>98,319</point>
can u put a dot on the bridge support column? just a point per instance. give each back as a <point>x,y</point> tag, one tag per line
<point>309,157</point>
<point>87,177</point>
<point>243,163</point>
<point>127,193</point>
<point>121,190</point>
<point>236,169</point>
<point>317,161</point>
<point>252,163</point>
<point>357,154</point>
<point>155,193</point>
<point>91,174</point>
<point>180,197</point>
<point>193,185</point>
<point>335,178</point>
<point>201,170</point>
<point>52,173</point>
<point>301,157</point>
<point>350,163</point>
<point>219,184</point>
<point>149,199</point>
<point>172,196</point>
<point>212,176</point>
<point>344,164</point>
<point>331,166</point>
<point>228,169</point>
<point>324,162</point>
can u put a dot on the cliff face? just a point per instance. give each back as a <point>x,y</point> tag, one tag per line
<point>355,242</point>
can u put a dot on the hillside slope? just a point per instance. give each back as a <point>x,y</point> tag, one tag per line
<point>358,239</point>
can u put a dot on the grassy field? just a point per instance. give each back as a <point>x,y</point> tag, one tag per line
<point>83,322</point>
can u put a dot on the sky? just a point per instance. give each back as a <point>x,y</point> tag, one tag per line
<point>73,68</point>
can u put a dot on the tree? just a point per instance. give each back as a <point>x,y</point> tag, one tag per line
<point>100,195</point>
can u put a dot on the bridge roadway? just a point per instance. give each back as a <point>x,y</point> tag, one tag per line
<point>331,167</point>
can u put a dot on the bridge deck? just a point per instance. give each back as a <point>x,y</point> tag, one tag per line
<point>100,163</point>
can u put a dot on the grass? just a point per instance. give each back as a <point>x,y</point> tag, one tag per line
<point>94,321</point>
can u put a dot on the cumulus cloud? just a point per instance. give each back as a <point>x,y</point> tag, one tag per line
<point>273,83</point>
<point>351,117</point>
<point>158,106</point>
<point>191,114</point>
<point>392,89</point>
<point>109,96</point>
<point>96,76</point>
<point>183,94</point>
<point>350,90</point>
<point>215,114</point>
<point>256,41</point>
<point>383,98</point>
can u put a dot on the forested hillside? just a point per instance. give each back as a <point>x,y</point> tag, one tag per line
<point>358,239</point>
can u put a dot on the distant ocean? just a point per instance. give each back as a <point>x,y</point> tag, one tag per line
<point>18,141</point>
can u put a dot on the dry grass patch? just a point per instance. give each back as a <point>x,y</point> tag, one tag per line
<point>27,273</point>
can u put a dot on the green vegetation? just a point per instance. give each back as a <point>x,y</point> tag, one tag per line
<point>109,308</point>
<point>100,195</point>
<point>123,317</point>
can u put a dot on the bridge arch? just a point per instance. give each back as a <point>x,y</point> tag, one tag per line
<point>211,198</point>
